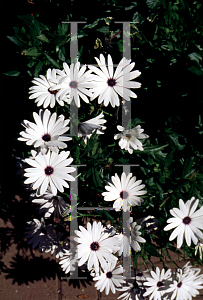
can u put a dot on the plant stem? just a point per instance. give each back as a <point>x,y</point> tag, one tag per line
<point>98,295</point>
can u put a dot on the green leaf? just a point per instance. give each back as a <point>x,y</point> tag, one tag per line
<point>90,26</point>
<point>150,161</point>
<point>176,143</point>
<point>187,167</point>
<point>195,70</point>
<point>38,68</point>
<point>195,56</point>
<point>77,155</point>
<point>12,73</point>
<point>94,150</point>
<point>61,55</point>
<point>155,148</point>
<point>96,178</point>
<point>120,46</point>
<point>138,18</point>
<point>52,61</point>
<point>16,41</point>
<point>169,159</point>
<point>152,4</point>
<point>160,190</point>
<point>43,38</point>
<point>62,29</point>
<point>151,250</point>
<point>32,52</point>
<point>108,216</point>
<point>89,172</point>
<point>134,4</point>
<point>103,29</point>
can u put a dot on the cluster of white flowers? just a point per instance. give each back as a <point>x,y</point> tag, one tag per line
<point>48,172</point>
<point>183,284</point>
<point>75,83</point>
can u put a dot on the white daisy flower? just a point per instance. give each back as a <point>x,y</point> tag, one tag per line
<point>157,285</point>
<point>87,128</point>
<point>109,279</point>
<point>130,292</point>
<point>126,191</point>
<point>135,237</point>
<point>110,230</point>
<point>49,170</point>
<point>50,203</point>
<point>187,221</point>
<point>199,248</point>
<point>65,261</point>
<point>130,238</point>
<point>129,139</point>
<point>124,243</point>
<point>20,162</point>
<point>141,276</point>
<point>74,83</point>
<point>150,223</point>
<point>47,133</point>
<point>95,246</point>
<point>40,235</point>
<point>59,249</point>
<point>187,268</point>
<point>110,84</point>
<point>185,286</point>
<point>42,91</point>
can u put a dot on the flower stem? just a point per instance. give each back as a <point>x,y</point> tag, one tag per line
<point>98,295</point>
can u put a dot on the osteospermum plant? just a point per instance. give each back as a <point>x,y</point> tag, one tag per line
<point>100,145</point>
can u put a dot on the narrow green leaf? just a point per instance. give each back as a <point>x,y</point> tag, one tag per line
<point>103,29</point>
<point>96,178</point>
<point>12,73</point>
<point>94,150</point>
<point>134,4</point>
<point>89,172</point>
<point>187,167</point>
<point>43,38</point>
<point>176,143</point>
<point>61,55</point>
<point>151,250</point>
<point>90,26</point>
<point>169,159</point>
<point>154,148</point>
<point>38,68</point>
<point>108,216</point>
<point>77,155</point>
<point>52,61</point>
<point>195,56</point>
<point>195,70</point>
<point>16,41</point>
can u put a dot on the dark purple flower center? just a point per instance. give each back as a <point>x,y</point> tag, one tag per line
<point>179,284</point>
<point>160,284</point>
<point>128,135</point>
<point>139,274</point>
<point>111,82</point>
<point>73,84</point>
<point>109,275</point>
<point>187,220</point>
<point>49,170</point>
<point>46,137</point>
<point>94,246</point>
<point>52,92</point>
<point>124,195</point>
